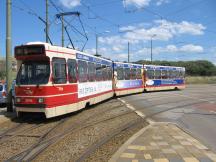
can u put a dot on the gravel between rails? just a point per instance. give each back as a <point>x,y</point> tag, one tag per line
<point>94,122</point>
<point>74,144</point>
<point>17,144</point>
<point>18,141</point>
<point>105,152</point>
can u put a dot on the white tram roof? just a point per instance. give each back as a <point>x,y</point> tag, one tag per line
<point>64,50</point>
<point>163,67</point>
<point>127,65</point>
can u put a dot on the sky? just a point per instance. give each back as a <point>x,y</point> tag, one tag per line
<point>180,30</point>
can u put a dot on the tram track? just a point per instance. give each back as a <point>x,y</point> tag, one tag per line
<point>45,138</point>
<point>89,151</point>
<point>14,132</point>
<point>31,153</point>
<point>45,144</point>
<point>107,138</point>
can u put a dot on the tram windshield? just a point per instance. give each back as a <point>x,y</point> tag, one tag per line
<point>33,73</point>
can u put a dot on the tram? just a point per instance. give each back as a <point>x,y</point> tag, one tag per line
<point>163,77</point>
<point>55,80</point>
<point>128,78</point>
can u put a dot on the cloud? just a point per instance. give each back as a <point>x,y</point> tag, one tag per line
<point>119,52</point>
<point>142,3</point>
<point>170,49</point>
<point>136,3</point>
<point>122,56</point>
<point>162,30</point>
<point>90,51</point>
<point>117,48</point>
<point>183,27</point>
<point>190,48</point>
<point>101,50</point>
<point>70,3</point>
<point>160,2</point>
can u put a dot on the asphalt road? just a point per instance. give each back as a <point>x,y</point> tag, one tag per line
<point>193,109</point>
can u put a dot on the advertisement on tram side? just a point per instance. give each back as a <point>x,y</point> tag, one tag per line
<point>129,83</point>
<point>164,82</point>
<point>92,88</point>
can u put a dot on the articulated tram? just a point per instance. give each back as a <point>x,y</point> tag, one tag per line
<point>163,77</point>
<point>56,80</point>
<point>128,78</point>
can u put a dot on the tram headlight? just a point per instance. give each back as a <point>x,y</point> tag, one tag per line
<point>40,100</point>
<point>18,100</point>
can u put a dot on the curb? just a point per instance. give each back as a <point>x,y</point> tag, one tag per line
<point>130,140</point>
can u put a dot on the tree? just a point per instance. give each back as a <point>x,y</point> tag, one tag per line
<point>193,68</point>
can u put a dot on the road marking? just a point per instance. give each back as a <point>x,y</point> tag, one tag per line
<point>150,121</point>
<point>130,107</point>
<point>213,112</point>
<point>139,113</point>
<point>121,100</point>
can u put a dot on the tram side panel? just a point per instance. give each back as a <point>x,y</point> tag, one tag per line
<point>163,78</point>
<point>128,78</point>
<point>95,79</point>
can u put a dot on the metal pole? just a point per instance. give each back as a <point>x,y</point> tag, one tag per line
<point>151,49</point>
<point>8,49</point>
<point>62,18</point>
<point>8,45</point>
<point>96,44</point>
<point>128,51</point>
<point>47,21</point>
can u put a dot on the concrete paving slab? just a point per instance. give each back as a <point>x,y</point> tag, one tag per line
<point>183,148</point>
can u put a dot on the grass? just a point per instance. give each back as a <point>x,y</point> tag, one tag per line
<point>201,80</point>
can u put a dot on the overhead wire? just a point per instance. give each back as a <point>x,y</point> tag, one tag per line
<point>31,12</point>
<point>100,17</point>
<point>75,30</point>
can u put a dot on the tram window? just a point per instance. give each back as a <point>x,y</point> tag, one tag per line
<point>171,72</point>
<point>164,74</point>
<point>157,74</point>
<point>82,70</point>
<point>168,74</point>
<point>91,71</point>
<point>127,73</point>
<point>72,71</point>
<point>177,74</point>
<point>109,72</point>
<point>133,73</point>
<point>98,72</point>
<point>59,71</point>
<point>139,74</point>
<point>150,74</point>
<point>182,74</point>
<point>104,72</point>
<point>174,73</point>
<point>120,74</point>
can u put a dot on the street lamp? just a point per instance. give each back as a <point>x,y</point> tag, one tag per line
<point>154,35</point>
<point>97,35</point>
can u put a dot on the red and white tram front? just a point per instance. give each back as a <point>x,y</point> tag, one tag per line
<point>32,79</point>
<point>42,82</point>
<point>55,80</point>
